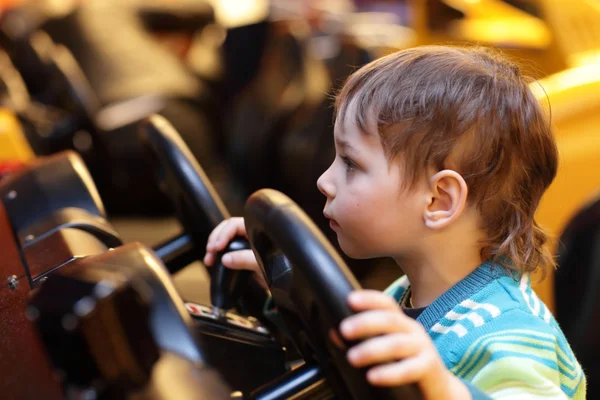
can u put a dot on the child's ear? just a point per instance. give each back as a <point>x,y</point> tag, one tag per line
<point>448,197</point>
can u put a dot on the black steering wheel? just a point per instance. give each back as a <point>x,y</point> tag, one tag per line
<point>197,204</point>
<point>309,284</point>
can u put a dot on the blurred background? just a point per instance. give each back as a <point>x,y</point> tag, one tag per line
<point>248,85</point>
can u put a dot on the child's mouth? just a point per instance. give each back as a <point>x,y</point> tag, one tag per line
<point>333,225</point>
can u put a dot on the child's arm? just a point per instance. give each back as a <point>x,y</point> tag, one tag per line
<point>402,352</point>
<point>399,347</point>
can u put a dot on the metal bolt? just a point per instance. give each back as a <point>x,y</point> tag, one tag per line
<point>13,282</point>
<point>42,280</point>
<point>11,195</point>
<point>29,238</point>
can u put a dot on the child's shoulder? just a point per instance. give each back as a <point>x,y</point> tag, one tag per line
<point>503,303</point>
<point>511,332</point>
<point>506,304</point>
<point>523,308</point>
<point>492,328</point>
<point>505,319</point>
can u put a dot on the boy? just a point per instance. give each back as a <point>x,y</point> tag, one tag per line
<point>442,156</point>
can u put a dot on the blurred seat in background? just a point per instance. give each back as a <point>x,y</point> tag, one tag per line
<point>94,70</point>
<point>577,290</point>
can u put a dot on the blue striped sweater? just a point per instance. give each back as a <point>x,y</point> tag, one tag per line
<point>493,332</point>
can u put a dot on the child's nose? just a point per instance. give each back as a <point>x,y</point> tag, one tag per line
<point>325,184</point>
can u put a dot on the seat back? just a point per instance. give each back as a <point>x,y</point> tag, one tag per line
<point>48,185</point>
<point>577,290</point>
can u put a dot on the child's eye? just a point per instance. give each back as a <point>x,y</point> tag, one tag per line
<point>350,166</point>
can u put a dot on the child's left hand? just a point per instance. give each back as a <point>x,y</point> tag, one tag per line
<point>398,346</point>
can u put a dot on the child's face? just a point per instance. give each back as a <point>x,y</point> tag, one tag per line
<point>369,211</point>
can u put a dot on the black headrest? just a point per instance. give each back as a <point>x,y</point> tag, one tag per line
<point>48,185</point>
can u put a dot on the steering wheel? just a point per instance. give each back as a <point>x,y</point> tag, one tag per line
<point>309,284</point>
<point>197,204</point>
<point>126,329</point>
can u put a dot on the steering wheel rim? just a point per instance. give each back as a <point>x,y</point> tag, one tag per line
<point>198,206</point>
<point>309,284</point>
<point>191,191</point>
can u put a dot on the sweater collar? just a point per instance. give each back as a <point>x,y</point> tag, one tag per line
<point>463,290</point>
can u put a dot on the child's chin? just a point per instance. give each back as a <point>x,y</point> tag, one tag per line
<point>354,251</point>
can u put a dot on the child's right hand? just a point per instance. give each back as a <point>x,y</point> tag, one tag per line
<point>241,259</point>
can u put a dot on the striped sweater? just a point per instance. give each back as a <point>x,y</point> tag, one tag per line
<point>494,333</point>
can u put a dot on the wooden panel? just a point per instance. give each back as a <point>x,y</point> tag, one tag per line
<point>24,368</point>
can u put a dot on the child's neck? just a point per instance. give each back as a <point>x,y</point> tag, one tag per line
<point>437,271</point>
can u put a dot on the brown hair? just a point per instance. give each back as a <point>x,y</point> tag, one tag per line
<point>472,106</point>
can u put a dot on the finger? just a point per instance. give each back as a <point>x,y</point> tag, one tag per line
<point>376,322</point>
<point>212,245</point>
<point>384,349</point>
<point>410,370</point>
<point>209,258</point>
<point>212,238</point>
<point>361,300</point>
<point>241,259</point>
<point>235,227</point>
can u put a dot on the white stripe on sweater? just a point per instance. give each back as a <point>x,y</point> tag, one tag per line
<point>523,284</point>
<point>546,314</point>
<point>473,305</point>
<point>456,328</point>
<point>472,316</point>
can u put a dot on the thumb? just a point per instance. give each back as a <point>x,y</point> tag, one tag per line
<point>241,259</point>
